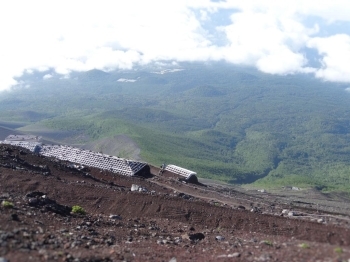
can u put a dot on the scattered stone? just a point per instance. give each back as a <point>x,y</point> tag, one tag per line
<point>32,201</point>
<point>220,238</point>
<point>142,189</point>
<point>40,200</point>
<point>285,211</point>
<point>14,217</point>
<point>173,259</point>
<point>5,196</point>
<point>135,187</point>
<point>255,210</point>
<point>35,194</point>
<point>162,241</point>
<point>184,196</point>
<point>177,240</point>
<point>264,257</point>
<point>320,220</point>
<point>196,236</point>
<point>291,213</point>
<point>40,230</point>
<point>236,254</point>
<point>115,217</point>
<point>262,190</point>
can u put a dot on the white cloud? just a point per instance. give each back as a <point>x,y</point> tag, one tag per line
<point>270,43</point>
<point>126,80</point>
<point>82,35</point>
<point>335,51</point>
<point>47,76</point>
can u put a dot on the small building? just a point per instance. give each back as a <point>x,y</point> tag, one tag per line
<point>79,156</point>
<point>188,175</point>
<point>31,146</point>
<point>28,138</point>
<point>93,159</point>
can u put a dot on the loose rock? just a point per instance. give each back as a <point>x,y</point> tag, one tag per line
<point>220,238</point>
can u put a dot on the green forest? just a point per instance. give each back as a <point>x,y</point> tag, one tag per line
<point>224,122</point>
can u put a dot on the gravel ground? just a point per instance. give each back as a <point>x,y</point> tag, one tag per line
<point>167,221</point>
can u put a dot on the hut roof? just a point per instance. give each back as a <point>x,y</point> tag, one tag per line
<point>180,171</point>
<point>32,146</point>
<point>84,157</point>
<point>28,138</point>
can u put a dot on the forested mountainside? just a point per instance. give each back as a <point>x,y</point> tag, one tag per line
<point>224,122</point>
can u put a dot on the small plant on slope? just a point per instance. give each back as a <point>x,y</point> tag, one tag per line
<point>304,245</point>
<point>7,204</point>
<point>78,210</point>
<point>338,250</point>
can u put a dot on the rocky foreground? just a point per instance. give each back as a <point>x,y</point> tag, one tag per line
<point>52,212</point>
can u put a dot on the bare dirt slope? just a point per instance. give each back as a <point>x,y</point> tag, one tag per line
<point>167,221</point>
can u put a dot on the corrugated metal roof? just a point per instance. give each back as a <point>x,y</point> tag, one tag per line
<point>32,146</point>
<point>84,157</point>
<point>180,171</point>
<point>28,138</point>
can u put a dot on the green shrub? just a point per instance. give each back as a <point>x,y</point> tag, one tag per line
<point>7,204</point>
<point>338,250</point>
<point>304,245</point>
<point>267,242</point>
<point>78,210</point>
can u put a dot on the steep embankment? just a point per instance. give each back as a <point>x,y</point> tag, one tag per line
<point>156,224</point>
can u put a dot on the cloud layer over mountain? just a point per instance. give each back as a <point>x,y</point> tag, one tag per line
<point>277,37</point>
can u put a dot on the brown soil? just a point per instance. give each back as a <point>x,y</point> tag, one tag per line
<point>171,221</point>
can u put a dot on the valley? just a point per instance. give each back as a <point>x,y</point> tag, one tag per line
<point>228,123</point>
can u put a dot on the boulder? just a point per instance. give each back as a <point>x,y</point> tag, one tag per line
<point>115,217</point>
<point>291,214</point>
<point>285,212</point>
<point>135,187</point>
<point>196,236</point>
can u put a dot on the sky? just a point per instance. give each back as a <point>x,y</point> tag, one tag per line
<point>274,36</point>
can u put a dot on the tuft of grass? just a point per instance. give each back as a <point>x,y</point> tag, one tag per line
<point>338,250</point>
<point>267,242</point>
<point>78,210</point>
<point>304,245</point>
<point>7,204</point>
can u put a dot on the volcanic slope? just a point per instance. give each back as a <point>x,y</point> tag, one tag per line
<point>166,220</point>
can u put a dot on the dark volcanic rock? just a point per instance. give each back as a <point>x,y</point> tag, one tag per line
<point>196,236</point>
<point>40,200</point>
